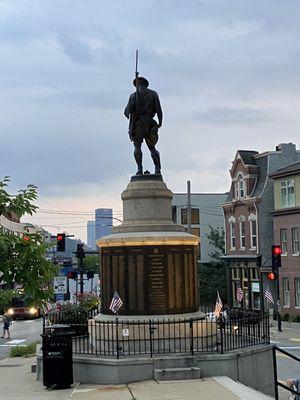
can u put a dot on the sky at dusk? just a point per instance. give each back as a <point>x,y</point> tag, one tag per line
<point>227,73</point>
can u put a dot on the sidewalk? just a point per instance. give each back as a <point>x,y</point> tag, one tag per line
<point>17,382</point>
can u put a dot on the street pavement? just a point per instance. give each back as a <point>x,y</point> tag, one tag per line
<point>17,382</point>
<point>17,370</point>
<point>21,332</point>
<point>288,340</point>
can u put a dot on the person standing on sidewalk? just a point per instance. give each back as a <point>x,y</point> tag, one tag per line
<point>6,324</point>
<point>295,385</point>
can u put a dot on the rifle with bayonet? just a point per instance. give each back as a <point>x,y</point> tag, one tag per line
<point>133,116</point>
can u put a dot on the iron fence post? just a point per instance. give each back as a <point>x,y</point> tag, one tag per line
<point>275,373</point>
<point>151,333</point>
<point>219,320</point>
<point>117,337</point>
<point>191,337</point>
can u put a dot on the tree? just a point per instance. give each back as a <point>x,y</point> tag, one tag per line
<point>23,258</point>
<point>92,263</point>
<point>212,275</point>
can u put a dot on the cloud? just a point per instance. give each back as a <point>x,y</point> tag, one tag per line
<point>227,74</point>
<point>233,116</point>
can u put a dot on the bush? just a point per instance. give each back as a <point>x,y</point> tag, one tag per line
<point>296,318</point>
<point>23,351</point>
<point>286,317</point>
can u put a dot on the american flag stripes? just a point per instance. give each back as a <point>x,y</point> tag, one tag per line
<point>218,306</point>
<point>116,303</point>
<point>268,296</point>
<point>239,294</point>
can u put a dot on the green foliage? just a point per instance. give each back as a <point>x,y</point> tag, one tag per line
<point>92,263</point>
<point>216,238</point>
<point>212,275</point>
<point>285,317</point>
<point>296,318</point>
<point>19,204</point>
<point>24,261</point>
<point>88,301</point>
<point>6,297</point>
<point>23,351</point>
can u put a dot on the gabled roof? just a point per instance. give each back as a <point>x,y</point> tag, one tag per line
<point>247,156</point>
<point>287,170</point>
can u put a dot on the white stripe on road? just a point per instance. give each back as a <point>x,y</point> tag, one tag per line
<point>15,341</point>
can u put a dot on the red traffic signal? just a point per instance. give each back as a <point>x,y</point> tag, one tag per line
<point>276,250</point>
<point>61,242</point>
<point>72,275</point>
<point>276,256</point>
<point>272,276</point>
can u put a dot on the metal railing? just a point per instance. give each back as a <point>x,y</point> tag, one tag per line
<point>276,381</point>
<point>190,336</point>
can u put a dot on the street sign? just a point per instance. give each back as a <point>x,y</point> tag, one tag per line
<point>60,284</point>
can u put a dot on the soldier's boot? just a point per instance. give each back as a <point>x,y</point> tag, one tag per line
<point>156,159</point>
<point>138,159</point>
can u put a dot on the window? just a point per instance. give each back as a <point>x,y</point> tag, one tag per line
<point>295,238</point>
<point>253,234</point>
<point>232,235</point>
<point>242,234</point>
<point>297,292</point>
<point>287,193</point>
<point>195,218</point>
<point>240,187</point>
<point>283,240</point>
<point>286,292</point>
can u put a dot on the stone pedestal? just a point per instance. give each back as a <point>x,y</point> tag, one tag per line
<point>149,260</point>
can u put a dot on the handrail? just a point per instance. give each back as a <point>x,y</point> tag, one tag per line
<point>276,381</point>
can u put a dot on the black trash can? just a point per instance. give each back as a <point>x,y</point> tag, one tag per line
<point>57,356</point>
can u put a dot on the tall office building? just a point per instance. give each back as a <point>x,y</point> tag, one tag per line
<point>103,222</point>
<point>91,235</point>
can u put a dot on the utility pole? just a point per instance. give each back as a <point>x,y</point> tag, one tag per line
<point>189,206</point>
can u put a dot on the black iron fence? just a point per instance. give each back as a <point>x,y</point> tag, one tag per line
<point>118,337</point>
<point>77,320</point>
<point>150,337</point>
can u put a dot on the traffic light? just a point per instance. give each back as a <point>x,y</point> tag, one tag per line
<point>61,242</point>
<point>276,257</point>
<point>272,276</point>
<point>72,275</point>
<point>90,274</point>
<point>80,250</point>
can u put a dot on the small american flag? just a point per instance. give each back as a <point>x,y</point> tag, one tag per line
<point>239,294</point>
<point>218,306</point>
<point>268,296</point>
<point>116,303</point>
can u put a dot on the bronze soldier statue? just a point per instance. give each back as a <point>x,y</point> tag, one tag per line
<point>141,109</point>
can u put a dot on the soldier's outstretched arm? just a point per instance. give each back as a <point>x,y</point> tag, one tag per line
<point>158,111</point>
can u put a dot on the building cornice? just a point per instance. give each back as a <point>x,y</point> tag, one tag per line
<point>285,211</point>
<point>240,202</point>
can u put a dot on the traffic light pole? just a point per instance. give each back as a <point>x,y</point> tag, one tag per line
<point>81,282</point>
<point>278,301</point>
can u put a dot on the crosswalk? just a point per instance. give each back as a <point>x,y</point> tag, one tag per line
<point>14,342</point>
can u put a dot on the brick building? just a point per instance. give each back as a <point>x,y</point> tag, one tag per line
<point>249,223</point>
<point>286,222</point>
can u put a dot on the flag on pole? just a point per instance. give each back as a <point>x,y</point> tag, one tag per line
<point>218,306</point>
<point>268,296</point>
<point>239,294</point>
<point>116,303</point>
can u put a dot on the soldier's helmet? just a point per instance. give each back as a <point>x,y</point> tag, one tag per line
<point>141,79</point>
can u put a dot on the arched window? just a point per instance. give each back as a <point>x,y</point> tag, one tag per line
<point>240,186</point>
